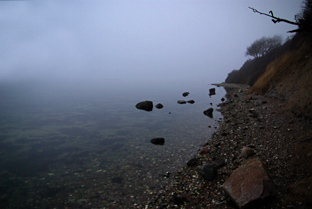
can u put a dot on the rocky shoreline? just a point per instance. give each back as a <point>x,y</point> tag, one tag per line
<point>281,141</point>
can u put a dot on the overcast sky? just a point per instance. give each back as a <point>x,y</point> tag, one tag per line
<point>164,39</point>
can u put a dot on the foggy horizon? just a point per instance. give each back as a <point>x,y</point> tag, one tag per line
<point>137,41</point>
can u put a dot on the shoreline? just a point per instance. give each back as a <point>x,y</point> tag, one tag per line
<point>279,139</point>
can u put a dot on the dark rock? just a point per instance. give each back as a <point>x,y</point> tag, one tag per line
<point>204,150</point>
<point>212,91</point>
<point>219,162</point>
<point>158,141</point>
<point>209,171</point>
<point>178,199</point>
<point>191,101</point>
<point>249,183</point>
<point>146,105</point>
<point>192,162</point>
<point>253,113</point>
<point>185,94</point>
<point>222,99</point>
<point>159,106</point>
<point>181,101</point>
<point>208,112</point>
<point>302,189</point>
<point>247,152</point>
<point>224,133</point>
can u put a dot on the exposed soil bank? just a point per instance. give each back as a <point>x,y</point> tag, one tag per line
<point>281,140</point>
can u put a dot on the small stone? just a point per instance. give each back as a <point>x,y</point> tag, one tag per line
<point>208,112</point>
<point>159,106</point>
<point>191,101</point>
<point>247,152</point>
<point>219,162</point>
<point>192,162</point>
<point>209,171</point>
<point>204,150</point>
<point>181,101</point>
<point>185,94</point>
<point>212,91</point>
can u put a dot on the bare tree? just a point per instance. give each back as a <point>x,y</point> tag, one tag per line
<point>263,45</point>
<point>302,20</point>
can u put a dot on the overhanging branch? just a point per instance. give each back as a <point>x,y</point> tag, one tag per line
<point>274,19</point>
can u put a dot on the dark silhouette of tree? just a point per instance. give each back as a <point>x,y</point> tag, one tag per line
<point>302,20</point>
<point>263,45</point>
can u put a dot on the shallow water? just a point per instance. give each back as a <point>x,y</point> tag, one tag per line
<point>89,147</point>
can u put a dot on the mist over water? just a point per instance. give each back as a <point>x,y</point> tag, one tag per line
<point>72,133</point>
<point>72,73</point>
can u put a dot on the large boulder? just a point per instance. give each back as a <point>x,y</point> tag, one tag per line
<point>208,112</point>
<point>146,105</point>
<point>248,183</point>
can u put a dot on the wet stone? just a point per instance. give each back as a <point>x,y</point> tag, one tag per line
<point>209,171</point>
<point>158,141</point>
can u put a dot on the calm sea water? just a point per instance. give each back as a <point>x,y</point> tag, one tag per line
<point>87,146</point>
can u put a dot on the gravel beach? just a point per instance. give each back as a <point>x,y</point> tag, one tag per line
<point>282,141</point>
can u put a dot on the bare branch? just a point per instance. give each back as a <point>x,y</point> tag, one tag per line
<point>274,19</point>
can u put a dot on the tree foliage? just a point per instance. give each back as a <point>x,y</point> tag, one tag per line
<point>263,45</point>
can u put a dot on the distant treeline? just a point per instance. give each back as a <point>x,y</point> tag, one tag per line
<point>252,69</point>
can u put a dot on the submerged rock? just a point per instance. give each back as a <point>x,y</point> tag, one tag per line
<point>158,141</point>
<point>145,105</point>
<point>208,112</point>
<point>181,101</point>
<point>159,106</point>
<point>185,94</point>
<point>249,183</point>
<point>191,101</point>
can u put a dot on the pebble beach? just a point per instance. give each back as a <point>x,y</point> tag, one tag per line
<point>277,137</point>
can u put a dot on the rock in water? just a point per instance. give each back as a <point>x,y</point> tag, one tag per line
<point>159,106</point>
<point>248,183</point>
<point>191,101</point>
<point>208,112</point>
<point>158,141</point>
<point>185,94</point>
<point>212,91</point>
<point>181,102</point>
<point>209,171</point>
<point>146,105</point>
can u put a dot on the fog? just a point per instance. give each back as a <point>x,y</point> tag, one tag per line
<point>139,41</point>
